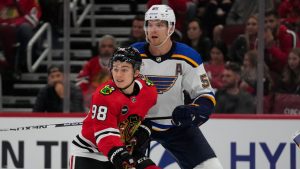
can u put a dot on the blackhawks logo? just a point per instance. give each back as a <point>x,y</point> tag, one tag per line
<point>148,82</point>
<point>107,90</point>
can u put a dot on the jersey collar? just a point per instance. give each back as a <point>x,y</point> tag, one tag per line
<point>160,58</point>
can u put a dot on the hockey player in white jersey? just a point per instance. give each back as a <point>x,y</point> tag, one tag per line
<point>175,67</point>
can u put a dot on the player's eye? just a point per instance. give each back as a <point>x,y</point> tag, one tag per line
<point>115,69</point>
<point>124,70</point>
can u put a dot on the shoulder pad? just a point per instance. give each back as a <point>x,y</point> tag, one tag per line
<point>106,90</point>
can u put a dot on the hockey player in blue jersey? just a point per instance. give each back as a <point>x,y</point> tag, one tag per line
<point>175,67</point>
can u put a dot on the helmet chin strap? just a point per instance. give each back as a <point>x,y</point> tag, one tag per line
<point>124,88</point>
<point>160,45</point>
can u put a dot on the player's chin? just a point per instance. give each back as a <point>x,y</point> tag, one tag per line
<point>121,85</point>
<point>155,43</point>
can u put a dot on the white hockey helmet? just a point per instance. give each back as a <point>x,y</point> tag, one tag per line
<point>160,12</point>
<point>163,13</point>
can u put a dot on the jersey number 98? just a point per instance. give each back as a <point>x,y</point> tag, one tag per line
<point>99,112</point>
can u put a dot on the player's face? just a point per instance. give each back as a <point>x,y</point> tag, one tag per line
<point>123,74</point>
<point>294,61</point>
<point>157,31</point>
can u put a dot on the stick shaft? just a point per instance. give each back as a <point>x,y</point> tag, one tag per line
<point>159,118</point>
<point>45,126</point>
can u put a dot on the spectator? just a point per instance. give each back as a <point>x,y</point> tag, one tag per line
<point>137,31</point>
<point>216,14</point>
<point>50,98</point>
<point>216,64</point>
<point>96,70</point>
<point>289,11</point>
<point>217,34</point>
<point>231,99</point>
<point>245,42</point>
<point>290,82</point>
<point>18,20</point>
<point>195,37</point>
<point>249,74</point>
<point>201,8</point>
<point>241,10</point>
<point>279,41</point>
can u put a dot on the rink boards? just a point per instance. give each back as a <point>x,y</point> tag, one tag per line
<point>241,142</point>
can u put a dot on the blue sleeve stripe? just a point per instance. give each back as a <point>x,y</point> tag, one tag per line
<point>189,60</point>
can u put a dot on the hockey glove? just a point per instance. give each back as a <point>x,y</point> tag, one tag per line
<point>121,158</point>
<point>143,162</point>
<point>141,139</point>
<point>190,115</point>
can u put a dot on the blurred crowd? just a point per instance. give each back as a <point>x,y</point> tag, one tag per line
<point>224,32</point>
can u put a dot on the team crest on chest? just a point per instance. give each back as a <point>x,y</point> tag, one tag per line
<point>158,59</point>
<point>133,99</point>
<point>162,83</point>
<point>107,90</point>
<point>148,81</point>
<point>124,110</point>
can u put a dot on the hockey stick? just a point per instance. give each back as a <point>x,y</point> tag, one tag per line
<point>45,126</point>
<point>159,118</point>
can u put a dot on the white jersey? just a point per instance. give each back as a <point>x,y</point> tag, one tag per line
<point>180,69</point>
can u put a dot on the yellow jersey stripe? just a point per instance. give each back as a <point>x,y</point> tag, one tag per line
<point>210,98</point>
<point>186,58</point>
<point>143,55</point>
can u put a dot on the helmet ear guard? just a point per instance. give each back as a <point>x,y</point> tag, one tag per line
<point>130,55</point>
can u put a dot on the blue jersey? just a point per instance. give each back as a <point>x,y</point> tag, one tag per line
<point>178,70</point>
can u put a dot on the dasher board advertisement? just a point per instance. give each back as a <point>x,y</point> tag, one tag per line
<point>240,141</point>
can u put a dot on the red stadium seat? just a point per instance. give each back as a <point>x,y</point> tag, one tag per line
<point>268,104</point>
<point>286,104</point>
<point>231,32</point>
